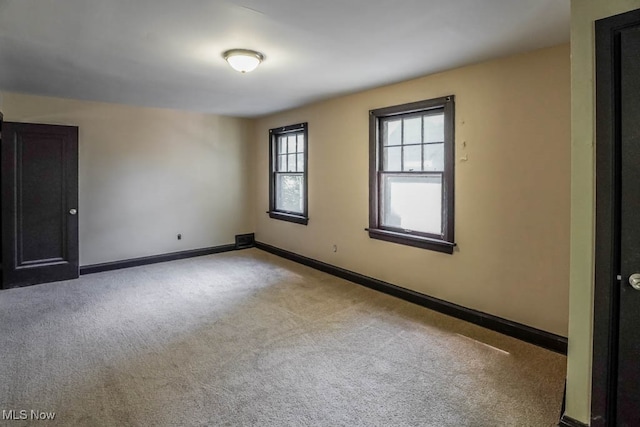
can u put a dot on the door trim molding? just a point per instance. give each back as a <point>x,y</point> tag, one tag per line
<point>607,227</point>
<point>507,327</point>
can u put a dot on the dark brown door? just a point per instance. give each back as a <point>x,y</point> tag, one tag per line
<point>616,351</point>
<point>39,203</point>
<point>629,339</point>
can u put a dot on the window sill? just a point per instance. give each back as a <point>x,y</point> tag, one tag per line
<point>409,240</point>
<point>297,219</point>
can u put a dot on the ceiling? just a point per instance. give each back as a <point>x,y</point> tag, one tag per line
<point>167,53</point>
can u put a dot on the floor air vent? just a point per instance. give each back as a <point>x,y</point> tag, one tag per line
<point>245,241</point>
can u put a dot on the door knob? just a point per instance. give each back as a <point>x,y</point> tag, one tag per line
<point>73,212</point>
<point>634,281</point>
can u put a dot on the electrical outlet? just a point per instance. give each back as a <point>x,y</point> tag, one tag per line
<point>179,236</point>
<point>335,248</point>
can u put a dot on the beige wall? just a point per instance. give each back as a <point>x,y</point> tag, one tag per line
<point>511,196</point>
<point>583,15</point>
<point>149,174</point>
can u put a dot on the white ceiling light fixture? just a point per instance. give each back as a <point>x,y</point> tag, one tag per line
<point>243,60</point>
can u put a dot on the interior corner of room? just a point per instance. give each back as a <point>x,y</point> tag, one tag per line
<point>157,183</point>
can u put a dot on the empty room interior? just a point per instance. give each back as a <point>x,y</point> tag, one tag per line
<point>294,213</point>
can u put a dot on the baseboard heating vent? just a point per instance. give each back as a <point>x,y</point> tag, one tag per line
<point>244,241</point>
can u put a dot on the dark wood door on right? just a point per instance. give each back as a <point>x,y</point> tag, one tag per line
<point>615,391</point>
<point>39,203</point>
<point>628,402</point>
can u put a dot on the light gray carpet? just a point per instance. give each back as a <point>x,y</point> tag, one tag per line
<point>246,338</point>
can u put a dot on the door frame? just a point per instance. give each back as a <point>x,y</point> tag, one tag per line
<point>606,307</point>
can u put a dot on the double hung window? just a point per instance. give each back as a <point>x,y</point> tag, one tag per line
<point>411,174</point>
<point>288,180</point>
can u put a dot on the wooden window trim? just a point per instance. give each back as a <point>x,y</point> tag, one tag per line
<point>441,243</point>
<point>294,217</point>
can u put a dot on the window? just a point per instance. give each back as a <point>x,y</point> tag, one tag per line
<point>288,180</point>
<point>411,174</point>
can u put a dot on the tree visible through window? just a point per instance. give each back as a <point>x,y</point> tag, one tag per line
<point>288,181</point>
<point>411,176</point>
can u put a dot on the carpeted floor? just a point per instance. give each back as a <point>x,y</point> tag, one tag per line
<point>246,338</point>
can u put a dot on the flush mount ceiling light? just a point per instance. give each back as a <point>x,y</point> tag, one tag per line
<point>243,60</point>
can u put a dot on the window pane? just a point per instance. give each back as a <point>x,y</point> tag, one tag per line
<point>391,160</point>
<point>392,132</point>
<point>292,144</point>
<point>291,166</point>
<point>412,131</point>
<point>289,193</point>
<point>412,158</point>
<point>300,162</point>
<point>282,144</point>
<point>300,143</point>
<point>434,157</point>
<point>434,128</point>
<point>282,163</point>
<point>412,203</point>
